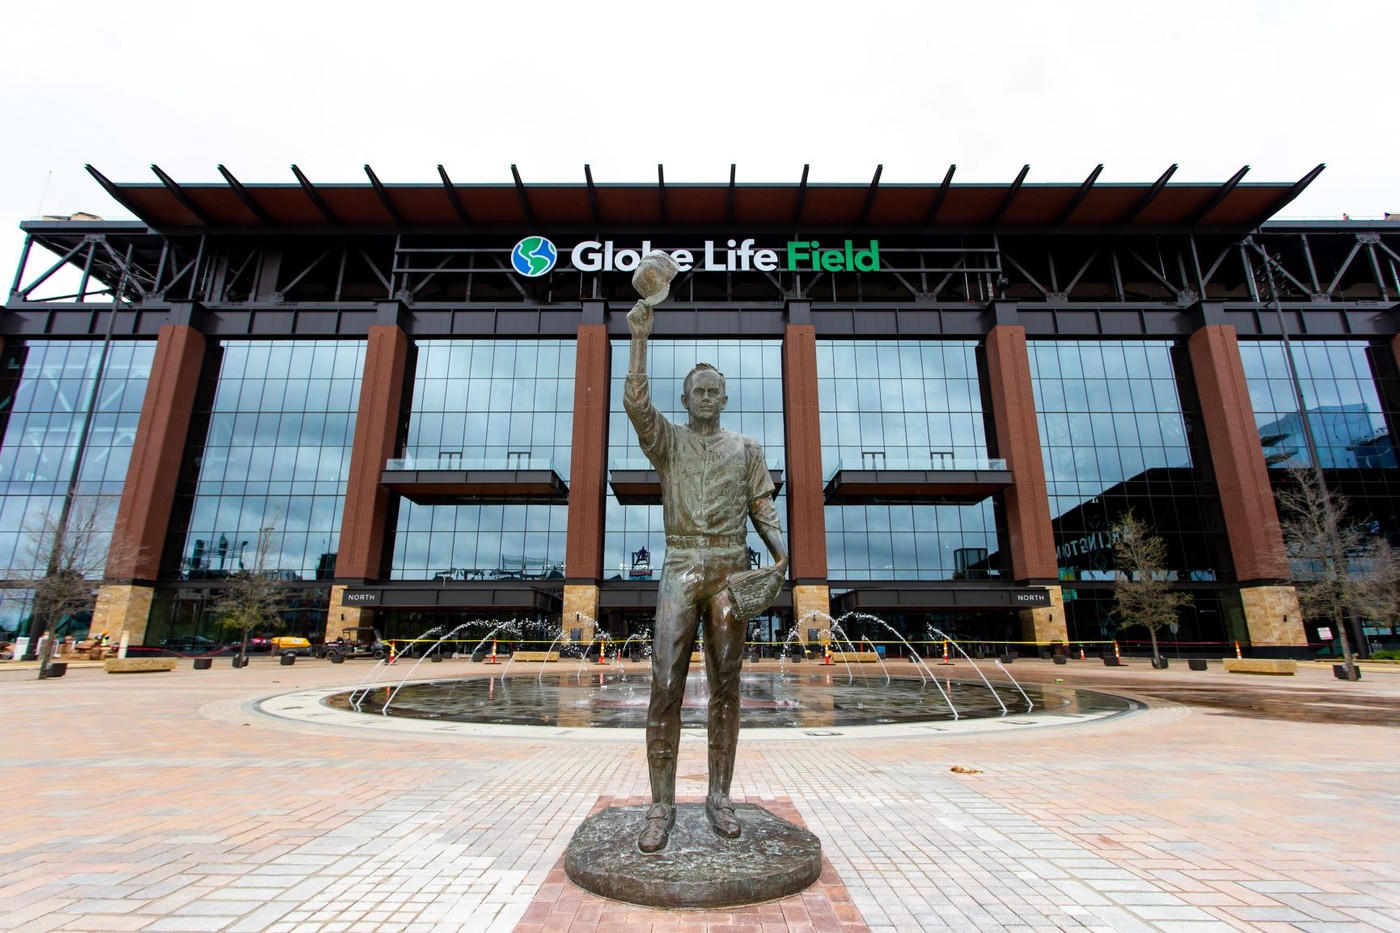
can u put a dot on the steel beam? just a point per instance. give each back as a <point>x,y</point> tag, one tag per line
<point>801,196</point>
<point>452,195</point>
<point>1291,193</point>
<point>23,261</point>
<point>732,173</point>
<point>661,191</point>
<point>1079,197</point>
<point>1010,196</point>
<point>384,198</point>
<point>185,201</point>
<point>592,195</point>
<point>246,197</point>
<point>1148,198</point>
<point>1218,197</point>
<point>521,193</point>
<point>315,197</point>
<point>870,196</point>
<point>113,190</point>
<point>937,204</point>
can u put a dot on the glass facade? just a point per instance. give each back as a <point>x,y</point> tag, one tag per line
<point>1339,389</point>
<point>753,380</point>
<point>1344,394</point>
<point>494,404</point>
<point>893,403</point>
<point>57,430</point>
<point>275,454</point>
<point>1118,436</point>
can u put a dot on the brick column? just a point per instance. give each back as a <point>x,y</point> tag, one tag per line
<point>148,495</point>
<point>359,557</point>
<point>583,554</point>
<point>1242,480</point>
<point>803,470</point>
<point>1030,544</point>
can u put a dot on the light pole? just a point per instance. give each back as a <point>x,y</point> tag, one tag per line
<point>1338,555</point>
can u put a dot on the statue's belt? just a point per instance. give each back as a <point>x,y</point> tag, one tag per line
<point>705,541</point>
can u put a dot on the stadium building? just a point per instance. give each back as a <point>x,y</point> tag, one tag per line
<point>405,400</point>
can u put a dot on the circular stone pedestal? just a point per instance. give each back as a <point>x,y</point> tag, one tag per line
<point>772,859</point>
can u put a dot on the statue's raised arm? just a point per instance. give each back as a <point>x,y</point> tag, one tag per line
<point>652,280</point>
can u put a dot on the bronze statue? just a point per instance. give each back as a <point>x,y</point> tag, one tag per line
<point>712,482</point>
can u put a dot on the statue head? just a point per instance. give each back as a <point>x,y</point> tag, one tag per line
<point>703,393</point>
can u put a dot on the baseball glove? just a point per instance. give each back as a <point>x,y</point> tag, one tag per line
<point>753,591</point>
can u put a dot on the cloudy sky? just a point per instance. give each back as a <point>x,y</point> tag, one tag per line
<point>476,86</point>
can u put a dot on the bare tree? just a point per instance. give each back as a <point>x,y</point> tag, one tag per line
<point>1142,593</point>
<point>1340,567</point>
<point>254,598</point>
<point>66,552</point>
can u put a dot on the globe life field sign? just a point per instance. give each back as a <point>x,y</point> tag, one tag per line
<point>536,255</point>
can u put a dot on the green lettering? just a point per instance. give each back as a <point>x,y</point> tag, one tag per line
<point>868,260</point>
<point>796,252</point>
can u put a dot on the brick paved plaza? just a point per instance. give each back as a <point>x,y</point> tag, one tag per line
<point>167,801</point>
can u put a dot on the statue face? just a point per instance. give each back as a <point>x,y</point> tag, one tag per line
<point>706,398</point>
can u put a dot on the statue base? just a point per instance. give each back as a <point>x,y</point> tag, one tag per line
<point>697,869</point>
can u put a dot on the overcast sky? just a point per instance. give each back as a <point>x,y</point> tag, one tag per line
<point>476,86</point>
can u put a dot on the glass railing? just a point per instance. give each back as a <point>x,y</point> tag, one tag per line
<point>774,463</point>
<point>963,464</point>
<point>459,463</point>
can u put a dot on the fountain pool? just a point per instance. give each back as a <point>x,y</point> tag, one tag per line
<point>609,699</point>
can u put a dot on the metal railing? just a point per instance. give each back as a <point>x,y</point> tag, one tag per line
<point>458,463</point>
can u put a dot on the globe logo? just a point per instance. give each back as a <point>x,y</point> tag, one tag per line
<point>533,256</point>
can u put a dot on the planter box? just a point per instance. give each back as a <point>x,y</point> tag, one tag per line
<point>1110,661</point>
<point>1339,671</point>
<point>137,665</point>
<point>1007,658</point>
<point>1060,659</point>
<point>288,659</point>
<point>1159,664</point>
<point>239,662</point>
<point>203,664</point>
<point>1279,666</point>
<point>1196,664</point>
<point>57,668</point>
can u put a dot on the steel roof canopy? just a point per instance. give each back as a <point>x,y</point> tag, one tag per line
<point>306,205</point>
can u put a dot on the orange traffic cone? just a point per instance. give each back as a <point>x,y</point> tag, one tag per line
<point>493,652</point>
<point>828,655</point>
<point>1238,653</point>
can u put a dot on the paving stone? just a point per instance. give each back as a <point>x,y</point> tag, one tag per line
<point>1147,822</point>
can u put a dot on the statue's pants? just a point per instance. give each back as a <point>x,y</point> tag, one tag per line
<point>692,593</point>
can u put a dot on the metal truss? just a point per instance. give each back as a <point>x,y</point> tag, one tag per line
<point>1323,262</point>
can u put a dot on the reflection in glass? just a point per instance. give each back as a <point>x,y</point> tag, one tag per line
<point>1114,434</point>
<point>276,454</point>
<point>753,380</point>
<point>904,404</point>
<point>45,388</point>
<point>505,404</point>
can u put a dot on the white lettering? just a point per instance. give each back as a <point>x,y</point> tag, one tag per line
<point>683,259</point>
<point>765,260</point>
<point>711,264</point>
<point>585,256</point>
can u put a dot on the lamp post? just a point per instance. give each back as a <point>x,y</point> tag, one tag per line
<point>1310,440</point>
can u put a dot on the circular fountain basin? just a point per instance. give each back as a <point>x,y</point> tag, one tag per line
<point>610,699</point>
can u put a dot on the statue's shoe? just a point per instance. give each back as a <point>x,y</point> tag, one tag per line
<point>722,819</point>
<point>657,830</point>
